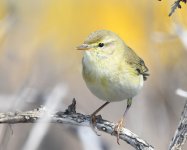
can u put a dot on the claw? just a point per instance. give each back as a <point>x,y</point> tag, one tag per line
<point>93,118</point>
<point>93,124</point>
<point>118,128</point>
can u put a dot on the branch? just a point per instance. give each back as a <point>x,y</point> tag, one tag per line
<point>72,118</point>
<point>175,6</point>
<point>181,133</point>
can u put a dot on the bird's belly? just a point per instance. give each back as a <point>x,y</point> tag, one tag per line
<point>114,87</point>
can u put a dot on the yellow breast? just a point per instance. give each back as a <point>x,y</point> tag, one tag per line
<point>111,81</point>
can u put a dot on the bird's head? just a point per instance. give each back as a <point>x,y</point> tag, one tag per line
<point>102,44</point>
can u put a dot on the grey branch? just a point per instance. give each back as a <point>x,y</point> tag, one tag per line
<point>181,133</point>
<point>70,117</point>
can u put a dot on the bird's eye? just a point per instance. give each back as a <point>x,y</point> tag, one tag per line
<point>101,44</point>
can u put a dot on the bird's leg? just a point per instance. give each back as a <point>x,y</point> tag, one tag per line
<point>93,116</point>
<point>120,123</point>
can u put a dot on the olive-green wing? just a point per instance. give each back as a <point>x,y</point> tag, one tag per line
<point>136,62</point>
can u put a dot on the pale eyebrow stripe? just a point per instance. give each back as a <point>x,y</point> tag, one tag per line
<point>109,42</point>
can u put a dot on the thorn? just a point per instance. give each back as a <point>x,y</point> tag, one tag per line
<point>71,108</point>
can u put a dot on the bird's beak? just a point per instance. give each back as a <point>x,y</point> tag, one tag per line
<point>83,47</point>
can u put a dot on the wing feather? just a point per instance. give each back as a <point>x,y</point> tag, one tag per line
<point>137,63</point>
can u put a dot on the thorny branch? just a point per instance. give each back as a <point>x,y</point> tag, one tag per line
<point>69,116</point>
<point>181,132</point>
<point>176,5</point>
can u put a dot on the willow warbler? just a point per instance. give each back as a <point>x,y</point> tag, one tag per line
<point>112,71</point>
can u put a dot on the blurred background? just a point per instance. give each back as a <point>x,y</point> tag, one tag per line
<point>40,66</point>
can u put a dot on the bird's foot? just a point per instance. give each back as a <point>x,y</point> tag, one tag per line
<point>118,128</point>
<point>93,124</point>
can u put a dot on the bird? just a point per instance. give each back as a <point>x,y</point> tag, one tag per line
<point>112,71</point>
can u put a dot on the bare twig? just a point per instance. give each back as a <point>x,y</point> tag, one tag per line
<point>181,132</point>
<point>72,118</point>
<point>175,6</point>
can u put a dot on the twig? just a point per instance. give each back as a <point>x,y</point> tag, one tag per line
<point>175,6</point>
<point>181,133</point>
<point>72,118</point>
